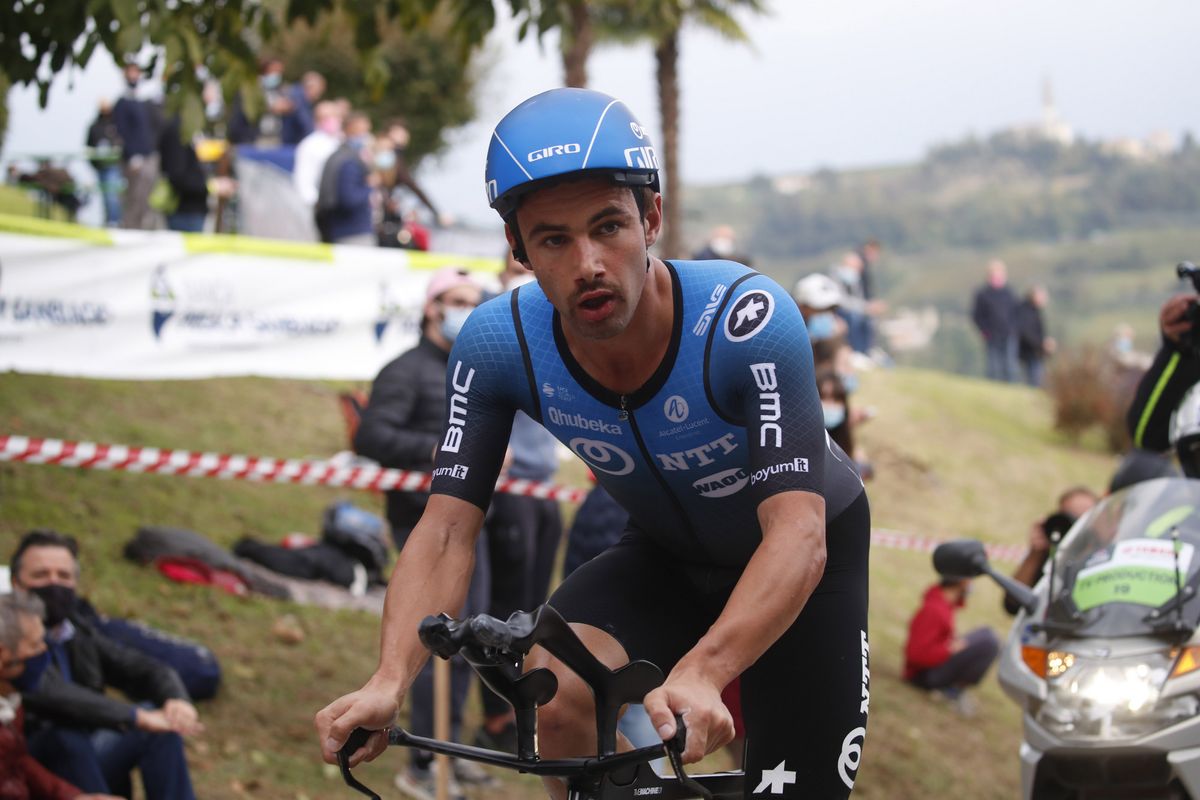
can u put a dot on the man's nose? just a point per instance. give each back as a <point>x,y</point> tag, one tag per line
<point>591,261</point>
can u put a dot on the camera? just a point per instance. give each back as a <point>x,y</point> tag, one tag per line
<point>1189,340</point>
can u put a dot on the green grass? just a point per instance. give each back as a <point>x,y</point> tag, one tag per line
<point>954,457</point>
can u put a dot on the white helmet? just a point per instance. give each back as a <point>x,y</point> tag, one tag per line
<point>818,291</point>
<point>1185,432</point>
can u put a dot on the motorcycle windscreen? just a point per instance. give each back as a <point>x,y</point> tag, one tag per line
<point>1128,558</point>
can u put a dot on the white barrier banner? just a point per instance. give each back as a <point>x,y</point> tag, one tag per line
<point>156,305</point>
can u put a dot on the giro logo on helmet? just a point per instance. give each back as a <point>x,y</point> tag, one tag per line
<point>641,158</point>
<point>553,150</point>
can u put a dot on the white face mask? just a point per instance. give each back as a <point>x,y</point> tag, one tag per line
<point>453,320</point>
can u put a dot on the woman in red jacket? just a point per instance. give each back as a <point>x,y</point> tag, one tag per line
<point>22,640</point>
<point>935,657</point>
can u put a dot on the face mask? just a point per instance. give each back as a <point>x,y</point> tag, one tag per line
<point>28,680</point>
<point>271,81</point>
<point>849,381</point>
<point>330,125</point>
<point>1124,345</point>
<point>453,320</point>
<point>834,415</point>
<point>59,601</point>
<point>385,159</point>
<point>821,326</point>
<point>359,142</point>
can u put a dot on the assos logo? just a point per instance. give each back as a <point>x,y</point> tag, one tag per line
<point>749,315</point>
<point>602,456</point>
<point>722,484</point>
<point>706,315</point>
<point>676,408</point>
<point>552,151</point>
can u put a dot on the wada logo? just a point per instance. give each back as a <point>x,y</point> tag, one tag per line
<point>602,456</point>
<point>722,484</point>
<point>553,150</point>
<point>749,315</point>
<point>676,409</point>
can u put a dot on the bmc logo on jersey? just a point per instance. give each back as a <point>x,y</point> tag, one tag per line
<point>749,315</point>
<point>722,484</point>
<point>553,150</point>
<point>676,409</point>
<point>641,157</point>
<point>602,456</point>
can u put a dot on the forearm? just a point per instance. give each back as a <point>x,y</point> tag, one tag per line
<point>777,582</point>
<point>432,575</point>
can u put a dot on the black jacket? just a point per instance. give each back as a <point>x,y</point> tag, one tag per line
<point>993,312</point>
<point>402,423</point>
<point>1031,331</point>
<point>1158,394</point>
<point>183,170</point>
<point>97,663</point>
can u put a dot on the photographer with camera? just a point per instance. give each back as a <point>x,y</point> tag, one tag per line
<point>1072,504</point>
<point>1176,368</point>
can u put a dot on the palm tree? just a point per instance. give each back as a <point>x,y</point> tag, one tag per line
<point>662,21</point>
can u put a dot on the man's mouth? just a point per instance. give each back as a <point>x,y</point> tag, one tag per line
<point>596,305</point>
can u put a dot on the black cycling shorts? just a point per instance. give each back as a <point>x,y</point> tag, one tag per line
<point>804,701</point>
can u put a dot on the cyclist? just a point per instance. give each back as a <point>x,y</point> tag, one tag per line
<point>688,389</point>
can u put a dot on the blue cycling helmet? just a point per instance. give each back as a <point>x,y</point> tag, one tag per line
<point>562,132</point>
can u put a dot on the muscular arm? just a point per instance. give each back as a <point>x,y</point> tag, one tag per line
<point>431,576</point>
<point>777,582</point>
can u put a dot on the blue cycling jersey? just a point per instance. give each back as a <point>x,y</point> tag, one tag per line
<point>730,417</point>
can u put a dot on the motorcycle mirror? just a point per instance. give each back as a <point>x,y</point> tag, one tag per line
<point>965,558</point>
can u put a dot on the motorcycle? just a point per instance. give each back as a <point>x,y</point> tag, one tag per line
<point>1104,655</point>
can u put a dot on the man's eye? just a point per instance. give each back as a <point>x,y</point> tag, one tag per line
<point>554,241</point>
<point>609,227</point>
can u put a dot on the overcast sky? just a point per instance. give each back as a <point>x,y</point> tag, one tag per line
<point>827,83</point>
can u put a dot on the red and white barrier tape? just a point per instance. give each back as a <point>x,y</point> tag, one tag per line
<point>90,455</point>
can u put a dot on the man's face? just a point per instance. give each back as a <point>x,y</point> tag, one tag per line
<point>587,246</point>
<point>32,643</point>
<point>45,566</point>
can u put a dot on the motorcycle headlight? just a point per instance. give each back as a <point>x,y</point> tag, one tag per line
<point>1112,698</point>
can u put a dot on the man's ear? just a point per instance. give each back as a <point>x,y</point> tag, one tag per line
<point>515,244</point>
<point>653,220</point>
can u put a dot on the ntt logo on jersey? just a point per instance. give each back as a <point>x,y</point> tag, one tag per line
<point>580,421</point>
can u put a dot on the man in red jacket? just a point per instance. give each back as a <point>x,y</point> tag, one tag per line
<point>935,657</point>
<point>21,777</point>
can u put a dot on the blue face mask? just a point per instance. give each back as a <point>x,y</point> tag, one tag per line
<point>849,381</point>
<point>28,680</point>
<point>834,415</point>
<point>453,320</point>
<point>821,326</point>
<point>385,159</point>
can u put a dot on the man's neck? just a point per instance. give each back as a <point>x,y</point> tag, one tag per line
<point>626,361</point>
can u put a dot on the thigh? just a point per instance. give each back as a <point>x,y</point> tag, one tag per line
<point>633,593</point>
<point>805,701</point>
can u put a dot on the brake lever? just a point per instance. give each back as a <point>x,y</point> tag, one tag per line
<point>675,747</point>
<point>358,737</point>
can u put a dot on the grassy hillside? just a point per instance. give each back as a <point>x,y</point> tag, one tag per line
<point>954,457</point>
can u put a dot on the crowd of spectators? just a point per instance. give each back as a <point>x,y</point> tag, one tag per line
<point>1013,328</point>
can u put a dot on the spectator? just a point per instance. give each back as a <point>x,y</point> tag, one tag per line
<point>935,657</point>
<point>77,730</point>
<point>401,427</point>
<point>854,307</point>
<point>187,178</point>
<point>993,313</point>
<point>523,537</point>
<point>1072,504</point>
<point>104,154</point>
<point>1033,345</point>
<point>818,297</point>
<point>21,644</point>
<point>344,200</point>
<point>296,112</point>
<point>397,139</point>
<point>721,244</point>
<point>315,149</point>
<point>137,125</point>
<point>869,252</point>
